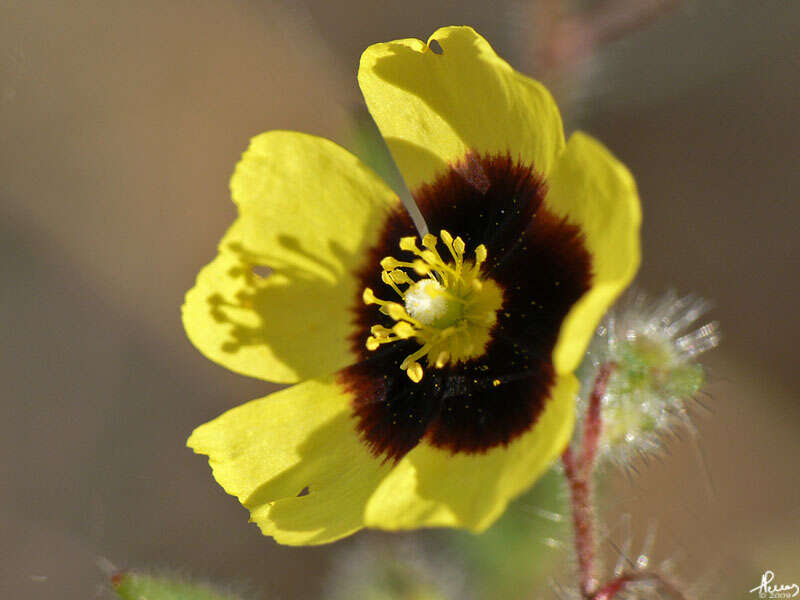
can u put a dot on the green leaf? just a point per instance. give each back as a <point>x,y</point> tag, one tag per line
<point>139,586</point>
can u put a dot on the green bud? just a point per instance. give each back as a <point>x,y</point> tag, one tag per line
<point>655,374</point>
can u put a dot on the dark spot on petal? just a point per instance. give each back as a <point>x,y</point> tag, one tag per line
<point>303,492</point>
<point>393,412</point>
<point>436,47</point>
<point>472,172</point>
<point>542,266</point>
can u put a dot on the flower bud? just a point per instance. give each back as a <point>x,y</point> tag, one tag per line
<point>654,350</point>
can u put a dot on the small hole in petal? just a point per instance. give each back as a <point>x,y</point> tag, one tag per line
<point>304,492</point>
<point>436,47</point>
<point>261,270</point>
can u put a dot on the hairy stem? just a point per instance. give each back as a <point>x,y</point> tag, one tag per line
<point>580,495</point>
<point>613,587</point>
<point>593,424</point>
<point>578,472</point>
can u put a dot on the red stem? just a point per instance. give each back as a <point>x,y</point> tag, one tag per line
<point>582,520</point>
<point>593,425</point>
<point>579,478</point>
<point>610,590</point>
<point>578,472</point>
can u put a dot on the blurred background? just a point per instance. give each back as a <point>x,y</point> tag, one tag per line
<point>121,123</point>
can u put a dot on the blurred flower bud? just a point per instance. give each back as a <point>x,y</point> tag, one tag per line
<point>134,585</point>
<point>388,568</point>
<point>654,345</point>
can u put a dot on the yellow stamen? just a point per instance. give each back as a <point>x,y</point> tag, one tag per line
<point>442,359</point>
<point>480,256</point>
<point>409,244</point>
<point>386,277</point>
<point>415,372</point>
<point>449,312</point>
<point>404,330</point>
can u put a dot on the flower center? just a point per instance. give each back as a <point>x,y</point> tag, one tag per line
<point>449,311</point>
<point>427,301</point>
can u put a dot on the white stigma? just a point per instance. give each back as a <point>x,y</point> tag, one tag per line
<point>427,302</point>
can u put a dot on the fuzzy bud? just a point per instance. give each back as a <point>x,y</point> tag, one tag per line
<point>653,346</point>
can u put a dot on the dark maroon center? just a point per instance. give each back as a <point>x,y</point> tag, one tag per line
<point>543,268</point>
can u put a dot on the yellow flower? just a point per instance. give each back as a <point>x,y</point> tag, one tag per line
<point>438,370</point>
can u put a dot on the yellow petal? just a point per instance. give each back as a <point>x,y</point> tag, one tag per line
<point>433,109</point>
<point>593,190</point>
<point>309,210</point>
<point>268,451</point>
<point>432,487</point>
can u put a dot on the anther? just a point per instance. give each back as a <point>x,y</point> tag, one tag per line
<point>388,280</point>
<point>421,267</point>
<point>404,330</point>
<point>399,276</point>
<point>396,311</point>
<point>480,255</point>
<point>408,244</point>
<point>429,241</point>
<point>415,372</point>
<point>389,263</point>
